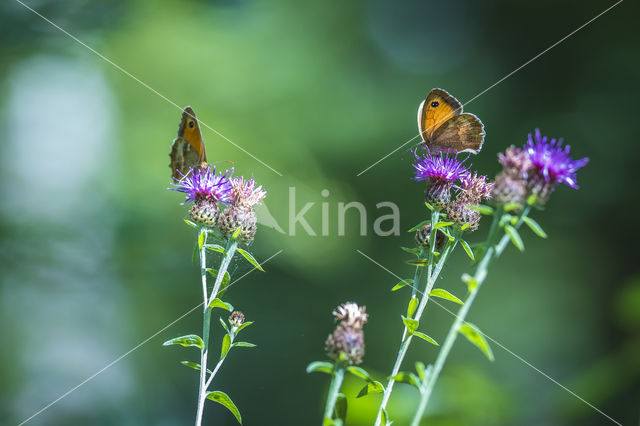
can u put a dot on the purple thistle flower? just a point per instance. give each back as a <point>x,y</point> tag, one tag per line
<point>552,161</point>
<point>475,187</point>
<point>203,184</point>
<point>439,169</point>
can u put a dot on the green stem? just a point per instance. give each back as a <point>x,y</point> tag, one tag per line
<point>206,317</point>
<point>493,251</point>
<point>334,390</point>
<point>422,274</point>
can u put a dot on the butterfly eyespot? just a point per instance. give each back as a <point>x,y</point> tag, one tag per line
<point>191,124</point>
<point>435,104</point>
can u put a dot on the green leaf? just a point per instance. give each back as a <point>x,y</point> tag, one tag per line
<point>201,238</point>
<point>408,378</point>
<point>465,226</point>
<point>532,199</point>
<point>320,367</point>
<point>243,326</point>
<point>360,372</point>
<point>425,338</point>
<point>429,206</point>
<point>411,324</point>
<point>420,369</point>
<point>446,234</point>
<point>244,345</point>
<point>419,226</point>
<point>251,259</point>
<point>193,365</point>
<point>236,233</point>
<point>417,262</point>
<point>191,224</point>
<point>413,305</point>
<point>215,247</point>
<point>483,209</point>
<point>223,398</point>
<point>473,334</point>
<point>413,251</point>
<point>226,279</point>
<point>217,303</point>
<point>402,283</point>
<point>212,272</point>
<point>444,294</point>
<point>470,281</point>
<point>509,207</point>
<point>535,227</point>
<point>467,248</point>
<point>442,225</point>
<point>371,387</point>
<point>515,237</point>
<point>225,326</point>
<point>226,345</point>
<point>341,407</point>
<point>186,341</point>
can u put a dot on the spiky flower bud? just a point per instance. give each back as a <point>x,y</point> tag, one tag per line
<point>423,235</point>
<point>347,341</point>
<point>236,319</point>
<point>472,190</point>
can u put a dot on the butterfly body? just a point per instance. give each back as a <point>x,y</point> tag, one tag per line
<point>187,150</point>
<point>445,128</point>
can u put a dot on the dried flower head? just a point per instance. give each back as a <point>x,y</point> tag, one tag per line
<point>551,165</point>
<point>515,161</point>
<point>440,172</point>
<point>472,190</point>
<point>245,196</point>
<point>236,319</point>
<point>204,188</point>
<point>351,314</point>
<point>347,341</point>
<point>246,192</point>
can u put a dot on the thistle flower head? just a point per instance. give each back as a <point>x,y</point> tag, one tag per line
<point>516,161</point>
<point>551,161</point>
<point>351,314</point>
<point>474,188</point>
<point>346,343</point>
<point>204,184</point>
<point>440,169</point>
<point>246,192</point>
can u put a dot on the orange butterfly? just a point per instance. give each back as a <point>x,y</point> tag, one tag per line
<point>444,127</point>
<point>187,150</point>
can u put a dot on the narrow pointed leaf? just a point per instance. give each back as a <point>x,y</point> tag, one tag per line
<point>425,338</point>
<point>236,233</point>
<point>341,407</point>
<point>411,324</point>
<point>193,365</point>
<point>535,227</point>
<point>473,334</point>
<point>470,282</point>
<point>444,294</point>
<point>243,326</point>
<point>442,225</point>
<point>186,341</point>
<point>413,305</point>
<point>429,206</point>
<point>371,387</point>
<point>223,398</point>
<point>419,226</point>
<point>417,262</point>
<point>420,369</point>
<point>191,224</point>
<point>215,247</point>
<point>483,209</point>
<point>320,367</point>
<point>224,325</point>
<point>467,248</point>
<point>250,259</point>
<point>509,207</point>
<point>217,303</point>
<point>401,284</point>
<point>413,251</point>
<point>226,279</point>
<point>515,237</point>
<point>359,372</point>
<point>408,378</point>
<point>201,238</point>
<point>226,345</point>
<point>244,345</point>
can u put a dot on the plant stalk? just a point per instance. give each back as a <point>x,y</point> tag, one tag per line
<point>334,390</point>
<point>422,274</point>
<point>206,320</point>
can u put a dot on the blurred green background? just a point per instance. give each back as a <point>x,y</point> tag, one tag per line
<point>95,257</point>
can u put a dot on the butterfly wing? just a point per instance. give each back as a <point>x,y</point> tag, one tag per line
<point>462,133</point>
<point>434,111</point>
<point>187,150</point>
